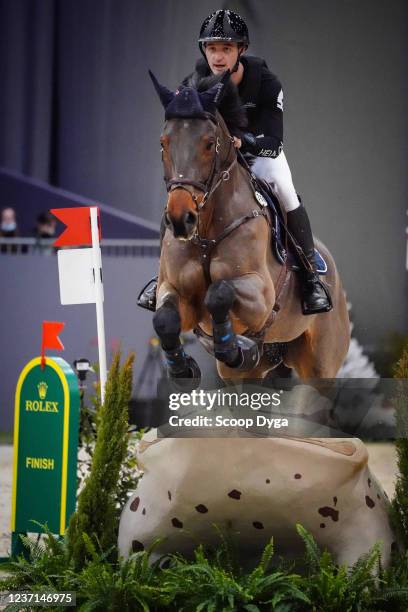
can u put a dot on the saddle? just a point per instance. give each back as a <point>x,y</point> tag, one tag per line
<point>284,249</point>
<point>282,246</point>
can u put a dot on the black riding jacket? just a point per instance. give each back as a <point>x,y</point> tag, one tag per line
<point>261,94</point>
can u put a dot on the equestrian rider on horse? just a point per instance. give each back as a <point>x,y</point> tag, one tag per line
<point>223,41</point>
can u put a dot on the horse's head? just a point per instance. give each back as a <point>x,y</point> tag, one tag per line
<point>195,145</point>
<point>189,150</point>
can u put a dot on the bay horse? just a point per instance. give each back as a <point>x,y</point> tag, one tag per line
<point>218,275</point>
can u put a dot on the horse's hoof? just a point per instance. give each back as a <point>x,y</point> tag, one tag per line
<point>188,380</point>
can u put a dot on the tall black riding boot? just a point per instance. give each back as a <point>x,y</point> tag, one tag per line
<point>315,295</point>
<point>147,297</point>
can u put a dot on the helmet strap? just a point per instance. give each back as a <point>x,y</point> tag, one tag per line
<point>240,52</point>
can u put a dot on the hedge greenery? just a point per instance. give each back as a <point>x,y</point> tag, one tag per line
<point>86,560</point>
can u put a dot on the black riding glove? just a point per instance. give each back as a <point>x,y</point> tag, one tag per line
<point>249,144</point>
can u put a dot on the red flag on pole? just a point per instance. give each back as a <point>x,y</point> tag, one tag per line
<point>78,222</point>
<point>80,270</point>
<point>50,339</point>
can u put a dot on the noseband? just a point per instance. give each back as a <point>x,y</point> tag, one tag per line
<point>215,178</point>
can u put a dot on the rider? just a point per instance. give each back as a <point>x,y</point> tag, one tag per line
<point>223,41</point>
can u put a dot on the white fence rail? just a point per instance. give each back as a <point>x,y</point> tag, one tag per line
<point>111,247</point>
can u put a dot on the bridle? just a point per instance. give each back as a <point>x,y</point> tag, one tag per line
<point>216,176</point>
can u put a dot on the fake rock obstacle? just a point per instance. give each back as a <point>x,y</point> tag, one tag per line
<point>256,488</point>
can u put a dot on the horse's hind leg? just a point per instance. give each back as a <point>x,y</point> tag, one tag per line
<point>167,325</point>
<point>317,356</point>
<point>320,351</point>
<point>231,349</point>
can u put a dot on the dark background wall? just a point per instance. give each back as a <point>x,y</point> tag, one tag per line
<point>77,109</point>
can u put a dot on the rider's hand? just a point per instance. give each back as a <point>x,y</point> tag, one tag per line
<point>237,142</point>
<point>249,142</point>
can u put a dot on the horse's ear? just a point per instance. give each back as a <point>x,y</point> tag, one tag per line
<point>165,95</point>
<point>213,96</point>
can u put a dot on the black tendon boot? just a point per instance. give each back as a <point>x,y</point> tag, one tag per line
<point>315,295</point>
<point>147,297</point>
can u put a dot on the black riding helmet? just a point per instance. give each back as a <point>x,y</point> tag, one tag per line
<point>224,25</point>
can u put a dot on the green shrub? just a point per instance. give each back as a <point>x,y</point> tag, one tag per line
<point>46,567</point>
<point>334,588</point>
<point>131,585</point>
<point>88,430</point>
<point>86,560</point>
<point>400,501</point>
<point>96,514</point>
<point>211,584</point>
<point>212,581</point>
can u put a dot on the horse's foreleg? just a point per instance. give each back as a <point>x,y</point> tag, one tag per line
<point>232,349</point>
<point>167,325</point>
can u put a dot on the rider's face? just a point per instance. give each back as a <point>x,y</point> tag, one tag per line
<point>221,56</point>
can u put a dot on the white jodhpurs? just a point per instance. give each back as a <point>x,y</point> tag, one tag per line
<point>276,171</point>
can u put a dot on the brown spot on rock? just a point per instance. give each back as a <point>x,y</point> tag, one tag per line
<point>135,504</point>
<point>297,476</point>
<point>144,511</point>
<point>335,500</point>
<point>137,546</point>
<point>176,523</point>
<point>234,494</point>
<point>322,525</point>
<point>201,508</point>
<point>169,495</point>
<point>258,525</point>
<point>370,502</point>
<point>267,480</point>
<point>327,511</point>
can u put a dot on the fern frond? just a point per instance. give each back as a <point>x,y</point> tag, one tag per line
<point>312,551</point>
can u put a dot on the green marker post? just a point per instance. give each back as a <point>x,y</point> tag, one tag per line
<point>46,424</point>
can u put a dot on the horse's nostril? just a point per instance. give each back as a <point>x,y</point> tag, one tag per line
<point>190,218</point>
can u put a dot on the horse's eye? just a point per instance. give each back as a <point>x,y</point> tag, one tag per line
<point>209,145</point>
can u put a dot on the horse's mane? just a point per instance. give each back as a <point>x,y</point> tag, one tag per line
<point>230,106</point>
